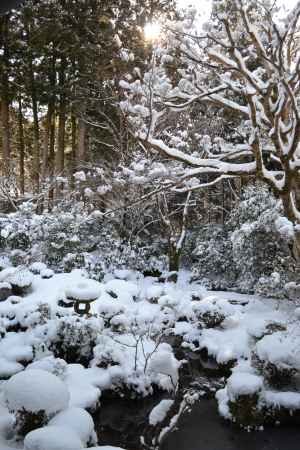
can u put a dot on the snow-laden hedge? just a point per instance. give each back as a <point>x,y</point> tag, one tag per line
<point>75,239</point>
<point>252,252</point>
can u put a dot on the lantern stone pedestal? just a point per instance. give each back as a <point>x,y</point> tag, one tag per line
<point>82,306</point>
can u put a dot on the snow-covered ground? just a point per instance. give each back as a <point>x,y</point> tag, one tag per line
<point>54,361</point>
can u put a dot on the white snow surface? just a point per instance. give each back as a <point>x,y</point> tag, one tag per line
<point>77,420</point>
<point>129,351</point>
<point>84,290</point>
<point>281,349</point>
<point>53,438</point>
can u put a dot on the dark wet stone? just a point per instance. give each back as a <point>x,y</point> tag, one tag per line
<point>5,292</point>
<point>204,429</point>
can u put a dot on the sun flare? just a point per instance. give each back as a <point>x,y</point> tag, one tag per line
<point>152,31</point>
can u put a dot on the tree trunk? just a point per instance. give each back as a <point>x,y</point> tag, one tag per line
<point>5,136</point>
<point>5,122</point>
<point>36,157</point>
<point>174,256</point>
<point>51,124</point>
<point>81,149</point>
<point>73,146</point>
<point>60,160</point>
<point>34,100</point>
<point>21,148</point>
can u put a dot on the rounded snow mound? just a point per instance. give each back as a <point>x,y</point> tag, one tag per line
<point>241,383</point>
<point>78,420</point>
<point>36,390</point>
<point>52,438</point>
<point>84,290</point>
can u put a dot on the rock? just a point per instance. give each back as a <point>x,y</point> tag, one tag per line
<point>5,291</point>
<point>292,290</point>
<point>243,391</point>
<point>169,277</point>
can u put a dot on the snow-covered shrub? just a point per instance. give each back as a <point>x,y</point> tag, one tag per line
<point>34,396</point>
<point>73,261</point>
<point>261,251</point>
<point>252,251</point>
<point>20,319</point>
<point>276,356</point>
<point>20,281</point>
<point>18,257</point>
<point>212,257</point>
<point>19,240</point>
<point>75,339</point>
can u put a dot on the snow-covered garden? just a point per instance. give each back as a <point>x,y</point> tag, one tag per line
<point>149,224</point>
<point>143,338</point>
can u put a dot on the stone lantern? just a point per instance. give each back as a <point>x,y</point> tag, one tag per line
<point>82,294</point>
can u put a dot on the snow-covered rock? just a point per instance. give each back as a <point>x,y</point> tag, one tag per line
<point>79,421</point>
<point>242,383</point>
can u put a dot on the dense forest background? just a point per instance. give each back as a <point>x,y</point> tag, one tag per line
<point>61,64</point>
